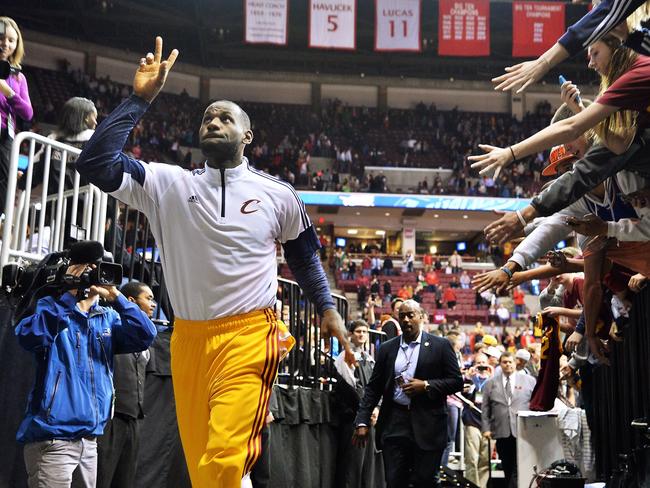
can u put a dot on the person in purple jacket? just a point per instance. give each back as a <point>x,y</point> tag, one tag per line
<point>608,16</point>
<point>14,97</point>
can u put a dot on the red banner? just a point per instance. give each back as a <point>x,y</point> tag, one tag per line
<point>536,26</point>
<point>464,28</point>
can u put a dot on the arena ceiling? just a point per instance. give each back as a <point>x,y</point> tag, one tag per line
<point>210,32</point>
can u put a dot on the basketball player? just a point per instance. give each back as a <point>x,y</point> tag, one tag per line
<point>217,229</point>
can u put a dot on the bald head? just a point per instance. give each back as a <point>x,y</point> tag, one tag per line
<point>412,304</point>
<point>410,319</point>
<point>235,109</point>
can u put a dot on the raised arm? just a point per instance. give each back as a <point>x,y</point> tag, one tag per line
<point>102,160</point>
<point>496,158</point>
<point>597,165</point>
<point>608,16</point>
<point>546,271</point>
<point>133,332</point>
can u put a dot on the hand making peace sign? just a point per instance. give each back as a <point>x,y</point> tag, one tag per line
<point>152,73</point>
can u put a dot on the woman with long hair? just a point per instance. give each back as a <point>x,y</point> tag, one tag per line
<point>620,106</point>
<point>14,97</point>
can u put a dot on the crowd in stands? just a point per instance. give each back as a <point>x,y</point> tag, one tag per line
<point>440,285</point>
<point>288,136</point>
<point>481,327</point>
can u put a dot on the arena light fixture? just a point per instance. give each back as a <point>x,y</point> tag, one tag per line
<point>387,214</point>
<point>465,217</point>
<point>380,232</point>
<point>433,249</point>
<point>435,216</point>
<point>353,232</point>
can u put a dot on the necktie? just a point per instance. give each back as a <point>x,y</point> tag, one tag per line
<point>508,390</point>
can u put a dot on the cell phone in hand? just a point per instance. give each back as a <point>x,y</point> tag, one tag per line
<point>562,81</point>
<point>399,380</point>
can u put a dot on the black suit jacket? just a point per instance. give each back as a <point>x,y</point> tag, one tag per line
<point>438,365</point>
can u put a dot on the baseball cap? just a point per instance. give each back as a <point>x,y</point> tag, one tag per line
<point>523,354</point>
<point>559,154</point>
<point>489,340</point>
<point>493,351</point>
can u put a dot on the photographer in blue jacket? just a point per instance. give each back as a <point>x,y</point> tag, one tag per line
<point>73,339</point>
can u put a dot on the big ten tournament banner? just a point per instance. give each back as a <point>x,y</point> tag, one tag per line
<point>332,24</point>
<point>266,21</point>
<point>536,26</point>
<point>397,25</point>
<point>464,28</point>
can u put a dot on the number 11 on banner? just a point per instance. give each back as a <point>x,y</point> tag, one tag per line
<point>405,27</point>
<point>397,25</point>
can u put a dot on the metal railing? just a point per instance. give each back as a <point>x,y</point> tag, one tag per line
<point>311,362</point>
<point>27,219</point>
<point>126,233</point>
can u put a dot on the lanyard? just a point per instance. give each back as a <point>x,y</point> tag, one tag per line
<point>408,358</point>
<point>481,383</point>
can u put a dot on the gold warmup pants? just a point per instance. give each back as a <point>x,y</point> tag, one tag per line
<point>223,371</point>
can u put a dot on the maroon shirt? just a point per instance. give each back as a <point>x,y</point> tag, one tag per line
<point>631,91</point>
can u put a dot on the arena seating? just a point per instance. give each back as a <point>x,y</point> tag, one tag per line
<point>465,311</point>
<point>355,137</point>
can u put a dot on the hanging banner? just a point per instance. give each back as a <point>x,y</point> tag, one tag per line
<point>464,28</point>
<point>536,26</point>
<point>397,25</point>
<point>266,21</point>
<point>332,24</point>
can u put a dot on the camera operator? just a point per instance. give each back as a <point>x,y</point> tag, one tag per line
<point>118,447</point>
<point>74,339</point>
<point>14,96</point>
<point>477,454</point>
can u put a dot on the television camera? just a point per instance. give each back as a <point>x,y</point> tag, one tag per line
<point>23,286</point>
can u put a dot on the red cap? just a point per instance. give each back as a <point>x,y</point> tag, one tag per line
<point>559,154</point>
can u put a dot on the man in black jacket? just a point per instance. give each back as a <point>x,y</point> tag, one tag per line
<point>413,373</point>
<point>118,447</point>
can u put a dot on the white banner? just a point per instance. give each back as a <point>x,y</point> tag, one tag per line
<point>266,21</point>
<point>397,25</point>
<point>332,24</point>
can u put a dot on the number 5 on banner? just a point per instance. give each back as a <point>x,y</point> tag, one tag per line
<point>332,23</point>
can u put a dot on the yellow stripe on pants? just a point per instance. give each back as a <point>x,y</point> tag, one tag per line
<point>223,371</point>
